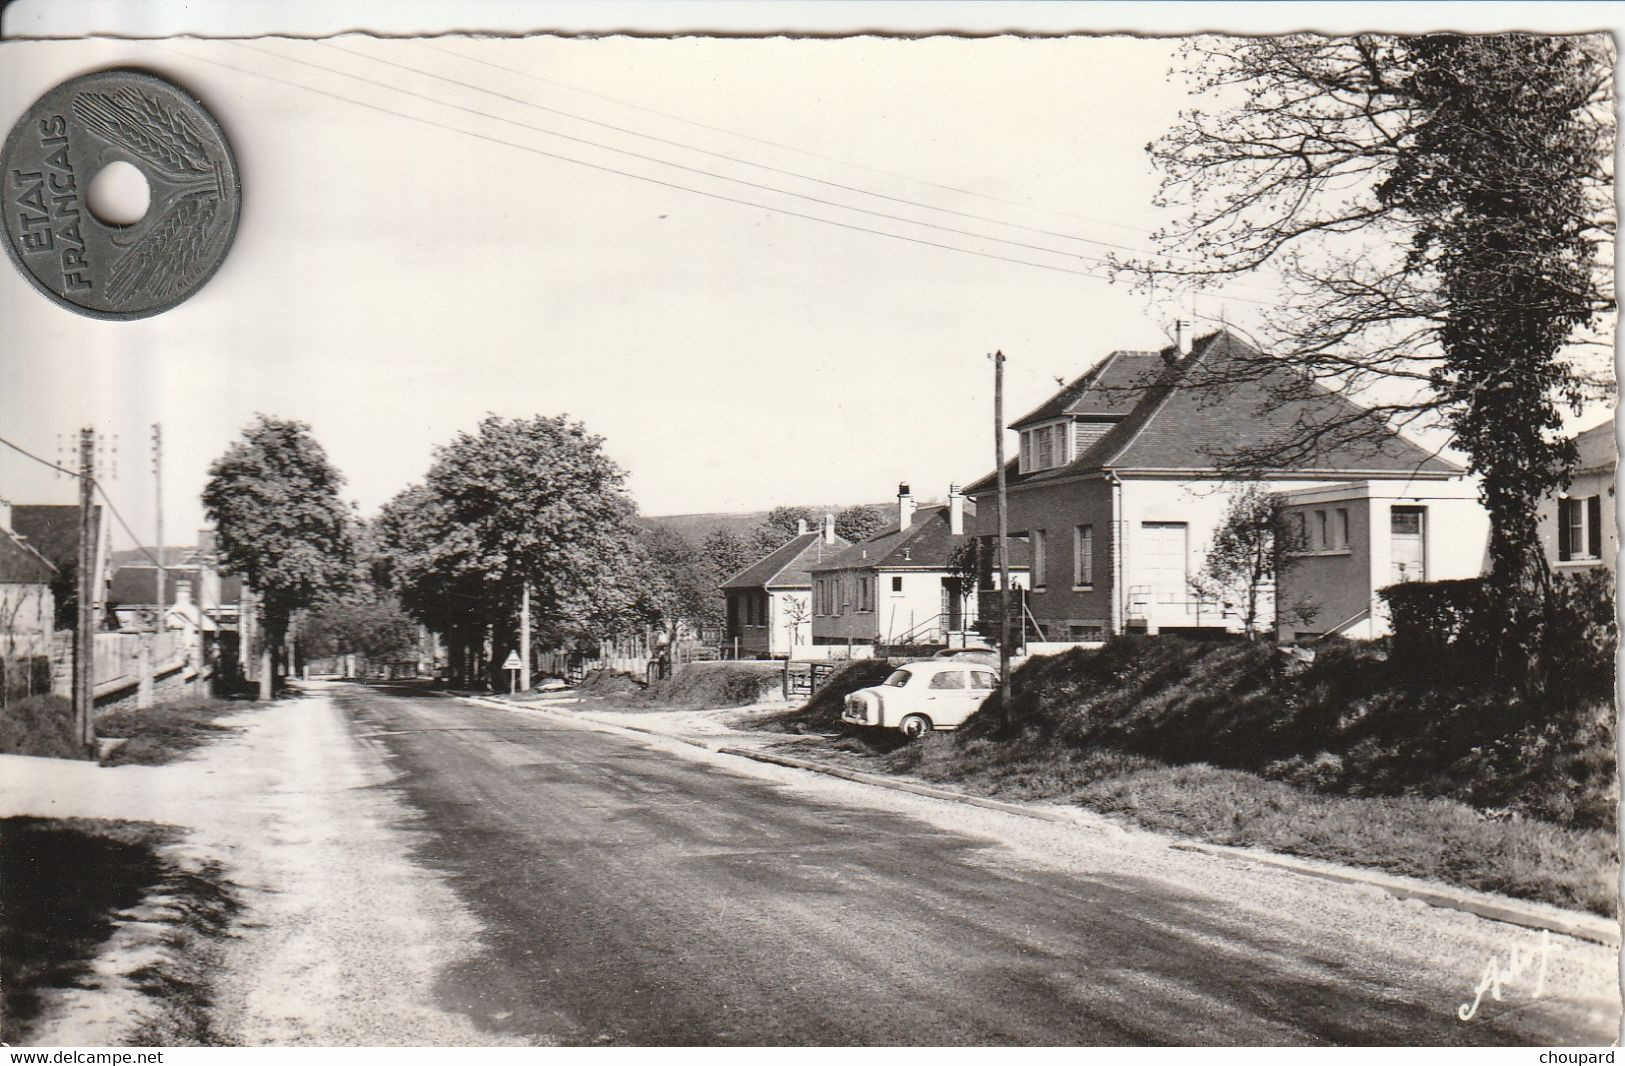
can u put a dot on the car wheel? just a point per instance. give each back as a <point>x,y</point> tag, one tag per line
<point>915,725</point>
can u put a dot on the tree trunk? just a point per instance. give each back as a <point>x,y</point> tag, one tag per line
<point>267,671</point>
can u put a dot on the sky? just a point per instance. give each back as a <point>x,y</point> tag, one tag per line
<point>394,278</point>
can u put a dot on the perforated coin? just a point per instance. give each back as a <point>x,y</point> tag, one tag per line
<point>195,194</point>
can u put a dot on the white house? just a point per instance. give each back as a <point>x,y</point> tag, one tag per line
<point>1579,527</point>
<point>770,601</point>
<point>1348,541</point>
<point>1120,483</point>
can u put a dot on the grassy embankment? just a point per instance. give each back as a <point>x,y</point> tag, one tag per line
<point>691,687</point>
<point>1345,760</point>
<point>44,726</point>
<point>66,884</point>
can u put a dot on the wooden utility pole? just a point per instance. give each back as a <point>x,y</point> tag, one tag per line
<point>1004,541</point>
<point>524,639</point>
<point>158,501</point>
<point>84,630</point>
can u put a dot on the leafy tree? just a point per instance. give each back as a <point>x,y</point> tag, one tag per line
<point>683,581</point>
<point>860,522</point>
<point>1250,549</point>
<point>374,627</point>
<point>1440,210</point>
<point>779,526</point>
<point>274,500</point>
<point>728,552</point>
<point>525,501</point>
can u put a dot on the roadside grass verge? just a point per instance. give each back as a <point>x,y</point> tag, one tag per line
<point>66,885</point>
<point>822,713</point>
<point>691,687</point>
<point>167,732</point>
<point>42,726</point>
<point>1435,775</point>
<point>1432,838</point>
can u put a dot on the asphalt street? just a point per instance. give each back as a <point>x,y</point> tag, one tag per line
<point>634,895</point>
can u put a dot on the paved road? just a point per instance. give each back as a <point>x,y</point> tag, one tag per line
<point>635,895</point>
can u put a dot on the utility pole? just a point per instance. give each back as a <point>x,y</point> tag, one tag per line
<point>524,639</point>
<point>1004,541</point>
<point>158,500</point>
<point>84,635</point>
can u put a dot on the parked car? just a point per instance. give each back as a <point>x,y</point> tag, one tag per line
<point>976,653</point>
<point>920,697</point>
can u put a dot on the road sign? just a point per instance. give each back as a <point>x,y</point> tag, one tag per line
<point>512,662</point>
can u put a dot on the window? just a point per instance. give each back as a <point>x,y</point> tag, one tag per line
<point>1297,531</point>
<point>1086,632</point>
<point>1083,556</point>
<point>1321,529</point>
<point>1026,450</point>
<point>1579,528</point>
<point>897,584</point>
<point>898,679</point>
<point>982,679</point>
<point>866,598</point>
<point>1340,528</point>
<point>1036,537</point>
<point>948,679</point>
<point>1046,449</point>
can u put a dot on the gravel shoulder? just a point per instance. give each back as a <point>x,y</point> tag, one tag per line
<point>340,935</point>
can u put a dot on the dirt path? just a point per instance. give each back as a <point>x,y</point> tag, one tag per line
<point>340,936</point>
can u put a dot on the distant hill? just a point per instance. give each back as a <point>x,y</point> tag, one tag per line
<point>696,527</point>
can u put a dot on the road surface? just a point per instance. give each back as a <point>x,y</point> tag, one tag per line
<point>632,892</point>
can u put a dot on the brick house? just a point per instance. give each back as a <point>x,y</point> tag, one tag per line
<point>769,601</point>
<point>1118,486</point>
<point>901,586</point>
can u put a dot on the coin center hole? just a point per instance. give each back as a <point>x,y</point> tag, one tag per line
<point>118,194</point>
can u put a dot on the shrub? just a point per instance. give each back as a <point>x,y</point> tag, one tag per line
<point>823,711</point>
<point>40,725</point>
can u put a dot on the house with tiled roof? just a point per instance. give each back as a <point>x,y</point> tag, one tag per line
<point>769,601</point>
<point>53,531</point>
<point>1121,479</point>
<point>1578,526</point>
<point>902,586</point>
<point>27,605</point>
<point>196,593</point>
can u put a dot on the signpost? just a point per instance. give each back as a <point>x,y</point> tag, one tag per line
<point>512,665</point>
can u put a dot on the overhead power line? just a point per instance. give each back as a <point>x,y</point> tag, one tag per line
<point>779,144</point>
<point>43,462</point>
<point>731,158</point>
<point>142,548</point>
<point>626,173</point>
<point>701,171</point>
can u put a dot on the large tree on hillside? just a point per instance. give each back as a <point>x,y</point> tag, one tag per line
<point>728,552</point>
<point>274,500</point>
<point>779,526</point>
<point>1439,209</point>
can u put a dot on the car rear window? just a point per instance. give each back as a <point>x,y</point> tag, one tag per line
<point>949,679</point>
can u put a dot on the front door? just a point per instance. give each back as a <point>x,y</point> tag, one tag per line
<point>1165,548</point>
<point>951,604</point>
<point>1407,543</point>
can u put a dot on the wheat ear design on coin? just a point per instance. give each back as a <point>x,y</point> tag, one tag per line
<point>166,260</point>
<point>144,127</point>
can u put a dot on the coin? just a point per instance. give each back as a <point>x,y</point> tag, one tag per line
<point>95,267</point>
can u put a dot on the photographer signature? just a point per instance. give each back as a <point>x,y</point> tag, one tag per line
<point>1520,966</point>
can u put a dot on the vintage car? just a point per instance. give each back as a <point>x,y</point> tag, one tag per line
<point>920,697</point>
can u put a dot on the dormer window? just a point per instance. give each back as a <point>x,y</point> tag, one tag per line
<point>1045,447</point>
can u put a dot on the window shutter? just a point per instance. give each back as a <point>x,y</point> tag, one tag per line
<point>1565,550</point>
<point>1594,527</point>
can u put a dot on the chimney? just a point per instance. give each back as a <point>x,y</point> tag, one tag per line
<point>183,593</point>
<point>956,511</point>
<point>1182,337</point>
<point>801,527</point>
<point>829,529</point>
<point>905,506</point>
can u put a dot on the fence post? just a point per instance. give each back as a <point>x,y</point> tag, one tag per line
<point>143,673</point>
